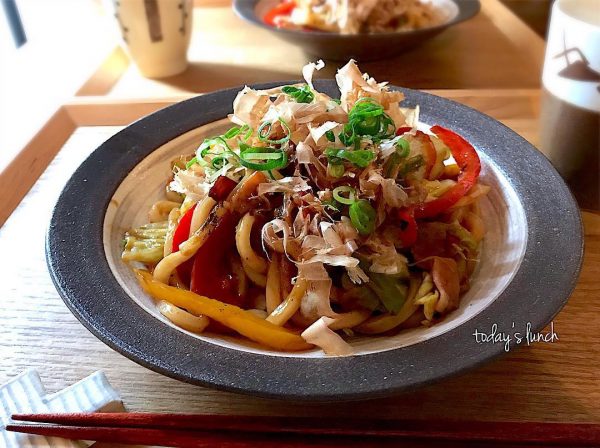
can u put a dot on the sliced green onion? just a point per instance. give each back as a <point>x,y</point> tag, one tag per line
<point>218,162</point>
<point>221,140</point>
<point>361,157</point>
<point>261,134</point>
<point>232,133</point>
<point>413,164</point>
<point>344,189</point>
<point>332,204</point>
<point>336,169</point>
<point>220,158</point>
<point>367,118</point>
<point>363,216</point>
<point>191,163</point>
<point>332,153</point>
<point>392,164</point>
<point>330,136</point>
<point>274,158</point>
<point>262,155</point>
<point>336,101</point>
<point>205,146</point>
<point>402,147</point>
<point>208,143</point>
<point>299,94</point>
<point>348,136</point>
<point>264,136</point>
<point>248,132</point>
<point>390,167</point>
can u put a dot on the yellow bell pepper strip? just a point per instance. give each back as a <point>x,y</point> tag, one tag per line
<point>242,321</point>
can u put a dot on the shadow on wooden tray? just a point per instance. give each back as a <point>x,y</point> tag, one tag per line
<point>207,77</point>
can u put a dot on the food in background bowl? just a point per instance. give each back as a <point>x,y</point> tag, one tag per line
<point>355,16</point>
<point>314,215</point>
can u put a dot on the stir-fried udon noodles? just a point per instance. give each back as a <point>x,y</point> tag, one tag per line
<point>355,16</point>
<point>315,219</point>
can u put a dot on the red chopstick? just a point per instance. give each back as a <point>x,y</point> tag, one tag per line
<point>192,430</point>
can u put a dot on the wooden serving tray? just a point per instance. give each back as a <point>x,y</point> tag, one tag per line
<point>544,382</point>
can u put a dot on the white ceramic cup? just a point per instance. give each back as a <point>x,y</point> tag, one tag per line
<point>570,114</point>
<point>156,34</point>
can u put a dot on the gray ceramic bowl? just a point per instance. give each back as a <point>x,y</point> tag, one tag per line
<point>363,47</point>
<point>529,263</point>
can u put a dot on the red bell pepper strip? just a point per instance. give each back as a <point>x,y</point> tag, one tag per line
<point>403,130</point>
<point>221,188</point>
<point>181,234</point>
<point>408,227</point>
<point>211,275</point>
<point>283,9</point>
<point>219,192</point>
<point>467,159</point>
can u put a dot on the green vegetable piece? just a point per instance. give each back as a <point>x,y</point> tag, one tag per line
<point>262,159</point>
<point>218,162</point>
<point>248,131</point>
<point>465,237</point>
<point>265,130</point>
<point>232,133</point>
<point>365,297</point>
<point>391,165</point>
<point>391,290</point>
<point>336,170</point>
<point>191,163</point>
<point>402,147</point>
<point>299,94</point>
<point>362,294</point>
<point>412,164</point>
<point>360,158</point>
<point>333,205</point>
<point>367,118</point>
<point>343,190</point>
<point>363,216</point>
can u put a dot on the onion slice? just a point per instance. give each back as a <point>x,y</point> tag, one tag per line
<point>321,335</point>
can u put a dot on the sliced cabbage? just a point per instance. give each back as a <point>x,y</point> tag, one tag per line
<point>145,243</point>
<point>447,281</point>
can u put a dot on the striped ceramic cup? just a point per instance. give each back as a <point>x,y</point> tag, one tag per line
<point>156,33</point>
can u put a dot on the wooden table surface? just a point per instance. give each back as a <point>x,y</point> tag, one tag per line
<point>544,382</point>
<point>492,50</point>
